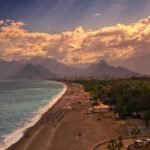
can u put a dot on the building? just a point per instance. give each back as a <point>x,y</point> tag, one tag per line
<point>101,108</point>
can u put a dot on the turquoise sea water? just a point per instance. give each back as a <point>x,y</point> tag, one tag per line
<point>20,99</point>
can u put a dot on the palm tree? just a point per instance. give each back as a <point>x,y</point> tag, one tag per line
<point>115,144</point>
<point>119,143</point>
<point>135,132</point>
<point>111,145</point>
<point>146,117</point>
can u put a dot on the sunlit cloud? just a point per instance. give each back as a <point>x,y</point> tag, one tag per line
<point>1,22</point>
<point>98,14</point>
<point>77,46</point>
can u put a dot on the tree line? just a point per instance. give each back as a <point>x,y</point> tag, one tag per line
<point>127,95</point>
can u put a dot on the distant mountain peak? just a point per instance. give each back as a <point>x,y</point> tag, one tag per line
<point>102,62</point>
<point>103,68</point>
<point>30,71</point>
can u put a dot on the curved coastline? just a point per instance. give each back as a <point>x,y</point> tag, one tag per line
<point>16,135</point>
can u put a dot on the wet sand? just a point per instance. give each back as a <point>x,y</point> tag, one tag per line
<point>61,129</point>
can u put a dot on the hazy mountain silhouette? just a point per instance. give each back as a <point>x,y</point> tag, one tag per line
<point>9,68</point>
<point>140,64</point>
<point>56,67</point>
<point>103,68</point>
<point>30,71</point>
<point>39,67</point>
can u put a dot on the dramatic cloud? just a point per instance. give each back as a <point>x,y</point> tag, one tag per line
<point>78,46</point>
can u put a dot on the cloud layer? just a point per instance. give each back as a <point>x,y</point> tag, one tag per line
<point>78,46</point>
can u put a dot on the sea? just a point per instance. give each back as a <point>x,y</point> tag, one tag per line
<point>22,104</point>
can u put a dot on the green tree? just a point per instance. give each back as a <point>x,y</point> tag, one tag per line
<point>135,132</point>
<point>111,145</point>
<point>146,117</point>
<point>120,143</point>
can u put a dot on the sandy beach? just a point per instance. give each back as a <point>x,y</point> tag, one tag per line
<point>74,129</point>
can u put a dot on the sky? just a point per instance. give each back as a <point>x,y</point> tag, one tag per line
<point>62,15</point>
<point>74,31</point>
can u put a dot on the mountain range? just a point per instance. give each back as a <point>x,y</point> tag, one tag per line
<point>102,68</point>
<point>140,64</point>
<point>45,68</point>
<point>58,68</point>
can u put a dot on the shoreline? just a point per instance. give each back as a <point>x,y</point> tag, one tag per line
<point>69,129</point>
<point>73,129</point>
<point>16,135</point>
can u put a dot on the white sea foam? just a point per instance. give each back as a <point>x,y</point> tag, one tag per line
<point>18,134</point>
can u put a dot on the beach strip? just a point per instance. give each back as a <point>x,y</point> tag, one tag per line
<point>15,136</point>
